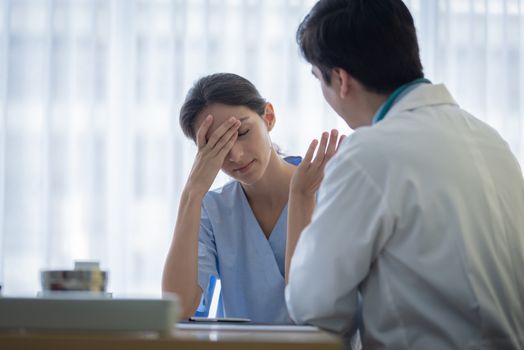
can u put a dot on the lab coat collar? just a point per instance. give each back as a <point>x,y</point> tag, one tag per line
<point>423,96</point>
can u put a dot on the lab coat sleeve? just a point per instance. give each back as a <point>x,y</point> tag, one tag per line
<point>207,255</point>
<point>349,227</point>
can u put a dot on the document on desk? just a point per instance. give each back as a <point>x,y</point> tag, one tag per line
<point>252,327</point>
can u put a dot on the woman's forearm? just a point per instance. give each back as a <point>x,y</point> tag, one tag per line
<point>181,266</point>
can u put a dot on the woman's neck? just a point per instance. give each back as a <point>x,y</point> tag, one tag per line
<point>273,188</point>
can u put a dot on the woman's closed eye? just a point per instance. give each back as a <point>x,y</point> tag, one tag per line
<point>242,133</point>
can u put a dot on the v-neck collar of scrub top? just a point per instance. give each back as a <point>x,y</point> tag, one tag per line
<point>267,244</point>
<point>245,203</point>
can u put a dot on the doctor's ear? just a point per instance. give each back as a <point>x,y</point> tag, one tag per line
<point>269,116</point>
<point>342,80</point>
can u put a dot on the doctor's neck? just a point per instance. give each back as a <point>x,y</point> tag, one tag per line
<point>361,106</point>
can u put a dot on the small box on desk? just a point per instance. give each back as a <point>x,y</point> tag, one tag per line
<point>97,314</point>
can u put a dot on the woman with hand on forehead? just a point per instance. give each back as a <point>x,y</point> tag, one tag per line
<point>236,233</point>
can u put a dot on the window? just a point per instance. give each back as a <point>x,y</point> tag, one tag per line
<point>92,160</point>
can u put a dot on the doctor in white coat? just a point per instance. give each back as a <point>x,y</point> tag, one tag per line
<point>421,210</point>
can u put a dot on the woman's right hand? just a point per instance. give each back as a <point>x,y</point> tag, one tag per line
<point>211,153</point>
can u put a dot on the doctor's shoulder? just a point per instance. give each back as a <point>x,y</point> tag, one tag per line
<point>363,144</point>
<point>365,152</point>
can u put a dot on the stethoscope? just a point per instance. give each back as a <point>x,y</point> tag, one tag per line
<point>391,99</point>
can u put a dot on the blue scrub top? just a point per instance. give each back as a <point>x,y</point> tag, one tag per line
<point>233,248</point>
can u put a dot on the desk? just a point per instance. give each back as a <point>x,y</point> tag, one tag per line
<point>198,339</point>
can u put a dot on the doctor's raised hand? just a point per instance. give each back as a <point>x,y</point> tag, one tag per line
<point>211,153</point>
<point>310,172</point>
<point>304,186</point>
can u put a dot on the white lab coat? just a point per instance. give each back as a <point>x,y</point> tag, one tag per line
<point>423,213</point>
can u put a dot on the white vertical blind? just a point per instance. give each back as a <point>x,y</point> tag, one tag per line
<point>477,48</point>
<point>92,159</point>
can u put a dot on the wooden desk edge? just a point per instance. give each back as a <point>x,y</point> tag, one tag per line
<point>154,341</point>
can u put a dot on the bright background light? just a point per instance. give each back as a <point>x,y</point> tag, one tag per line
<point>92,159</point>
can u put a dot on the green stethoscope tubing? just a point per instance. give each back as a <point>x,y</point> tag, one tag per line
<point>391,99</point>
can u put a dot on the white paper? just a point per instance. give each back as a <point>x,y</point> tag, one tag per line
<point>251,327</point>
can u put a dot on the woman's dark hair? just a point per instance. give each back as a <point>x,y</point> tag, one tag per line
<point>226,88</point>
<point>375,41</point>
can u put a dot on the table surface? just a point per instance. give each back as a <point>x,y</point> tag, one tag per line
<point>213,337</point>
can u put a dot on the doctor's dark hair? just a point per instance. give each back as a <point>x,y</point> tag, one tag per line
<point>225,88</point>
<point>375,41</point>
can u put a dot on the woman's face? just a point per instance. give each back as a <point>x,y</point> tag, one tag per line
<point>248,159</point>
